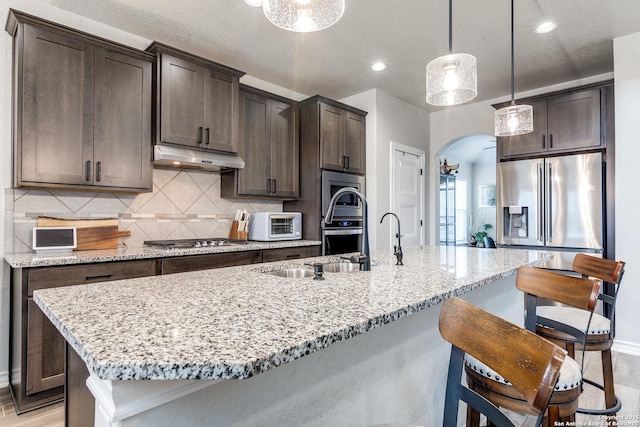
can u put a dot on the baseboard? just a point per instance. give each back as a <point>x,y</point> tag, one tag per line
<point>626,347</point>
<point>4,379</point>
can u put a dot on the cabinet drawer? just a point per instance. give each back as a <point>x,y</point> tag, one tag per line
<point>53,277</point>
<point>290,253</point>
<point>205,262</point>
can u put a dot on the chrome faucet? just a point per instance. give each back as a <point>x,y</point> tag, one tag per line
<point>365,258</point>
<point>397,250</point>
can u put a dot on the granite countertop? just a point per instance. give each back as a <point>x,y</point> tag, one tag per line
<point>31,259</point>
<point>237,322</point>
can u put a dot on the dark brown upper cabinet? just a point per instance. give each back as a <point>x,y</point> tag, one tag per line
<point>341,135</point>
<point>563,122</point>
<point>196,101</point>
<point>268,145</point>
<point>82,109</point>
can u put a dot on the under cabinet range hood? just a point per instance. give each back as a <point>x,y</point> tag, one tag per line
<point>176,157</point>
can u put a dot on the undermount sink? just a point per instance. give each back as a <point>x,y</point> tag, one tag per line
<point>339,267</point>
<point>292,273</point>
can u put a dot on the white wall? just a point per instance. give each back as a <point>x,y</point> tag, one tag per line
<point>627,176</point>
<point>389,119</point>
<point>483,174</point>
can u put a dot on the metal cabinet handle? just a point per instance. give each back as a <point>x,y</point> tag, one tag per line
<point>200,135</point>
<point>549,213</point>
<point>550,140</point>
<point>274,186</point>
<point>540,201</point>
<point>347,162</point>
<point>544,141</point>
<point>98,171</point>
<point>344,162</point>
<point>268,185</point>
<point>88,171</point>
<point>207,137</point>
<point>100,276</point>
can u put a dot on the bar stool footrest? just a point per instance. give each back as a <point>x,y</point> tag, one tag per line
<point>607,411</point>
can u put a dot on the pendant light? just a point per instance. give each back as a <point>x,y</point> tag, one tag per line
<point>303,16</point>
<point>452,79</point>
<point>514,119</point>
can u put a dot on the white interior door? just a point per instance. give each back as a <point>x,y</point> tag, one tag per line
<point>407,192</point>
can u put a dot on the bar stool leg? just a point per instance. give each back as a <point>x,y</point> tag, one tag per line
<point>473,417</point>
<point>607,375</point>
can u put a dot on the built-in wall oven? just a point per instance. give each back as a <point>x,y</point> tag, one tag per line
<point>344,234</point>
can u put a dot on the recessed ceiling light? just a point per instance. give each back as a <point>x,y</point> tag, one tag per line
<point>546,27</point>
<point>378,66</point>
<point>254,3</point>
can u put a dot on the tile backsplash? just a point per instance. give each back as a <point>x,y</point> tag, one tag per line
<point>184,204</point>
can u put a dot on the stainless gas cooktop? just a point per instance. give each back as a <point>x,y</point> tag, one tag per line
<point>193,243</point>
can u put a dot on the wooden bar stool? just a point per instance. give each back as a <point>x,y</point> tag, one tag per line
<point>490,381</point>
<point>600,333</point>
<point>531,363</point>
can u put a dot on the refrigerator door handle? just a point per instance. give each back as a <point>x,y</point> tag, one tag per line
<point>540,202</point>
<point>549,210</point>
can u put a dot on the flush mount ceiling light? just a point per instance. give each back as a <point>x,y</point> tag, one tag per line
<point>303,16</point>
<point>378,66</point>
<point>254,3</point>
<point>514,119</point>
<point>545,27</point>
<point>452,79</point>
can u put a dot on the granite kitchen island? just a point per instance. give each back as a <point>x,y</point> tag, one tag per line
<point>226,346</point>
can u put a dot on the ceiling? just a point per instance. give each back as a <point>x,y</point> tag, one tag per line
<point>405,34</point>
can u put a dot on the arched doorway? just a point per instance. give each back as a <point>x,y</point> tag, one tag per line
<point>465,198</point>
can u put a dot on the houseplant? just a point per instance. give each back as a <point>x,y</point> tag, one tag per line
<point>479,235</point>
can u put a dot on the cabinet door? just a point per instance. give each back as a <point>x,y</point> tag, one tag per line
<point>56,141</point>
<point>284,150</point>
<point>45,352</point>
<point>181,103</point>
<point>331,137</point>
<point>122,122</point>
<point>574,121</point>
<point>530,143</point>
<point>355,143</point>
<point>255,178</point>
<point>220,111</point>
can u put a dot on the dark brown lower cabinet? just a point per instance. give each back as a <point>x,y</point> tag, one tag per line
<point>205,262</point>
<point>37,350</point>
<point>36,346</point>
<point>271,255</point>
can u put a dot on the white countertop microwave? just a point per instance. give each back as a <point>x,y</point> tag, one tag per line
<point>273,226</point>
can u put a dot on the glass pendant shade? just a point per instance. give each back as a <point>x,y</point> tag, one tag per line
<point>452,79</point>
<point>514,120</point>
<point>303,16</point>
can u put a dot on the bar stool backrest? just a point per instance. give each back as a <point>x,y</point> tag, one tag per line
<point>606,270</point>
<point>530,363</point>
<point>577,292</point>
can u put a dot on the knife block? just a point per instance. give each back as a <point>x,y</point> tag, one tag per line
<point>234,234</point>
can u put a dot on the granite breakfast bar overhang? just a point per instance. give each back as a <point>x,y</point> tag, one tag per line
<point>200,332</point>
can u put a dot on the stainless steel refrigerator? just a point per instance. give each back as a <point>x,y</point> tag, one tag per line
<point>554,202</point>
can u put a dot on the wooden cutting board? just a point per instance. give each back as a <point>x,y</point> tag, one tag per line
<point>91,233</point>
<point>47,221</point>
